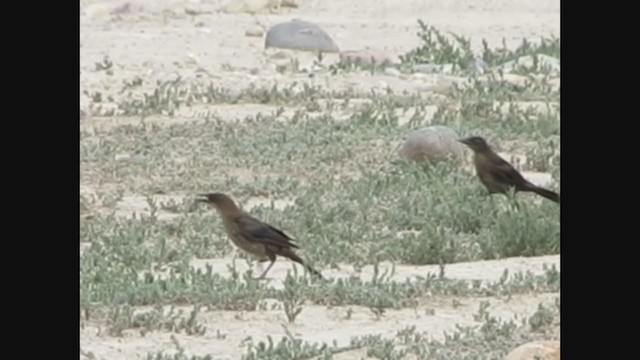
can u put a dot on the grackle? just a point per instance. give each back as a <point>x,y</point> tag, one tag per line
<point>252,235</point>
<point>497,175</point>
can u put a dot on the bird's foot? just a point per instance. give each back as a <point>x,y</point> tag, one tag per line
<point>515,204</point>
<point>262,277</point>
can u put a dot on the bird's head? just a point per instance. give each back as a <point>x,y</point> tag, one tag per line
<point>475,143</point>
<point>218,200</point>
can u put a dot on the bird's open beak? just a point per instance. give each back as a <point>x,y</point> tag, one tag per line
<point>202,198</point>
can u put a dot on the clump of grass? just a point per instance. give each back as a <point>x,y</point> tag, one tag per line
<point>180,354</point>
<point>122,317</point>
<point>289,347</point>
<point>541,318</point>
<point>493,338</point>
<point>105,65</point>
<point>437,48</point>
<point>549,46</point>
<point>177,356</point>
<point>169,95</point>
<point>292,297</point>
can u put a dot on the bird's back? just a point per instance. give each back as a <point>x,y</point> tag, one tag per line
<point>262,232</point>
<point>236,233</point>
<point>496,173</point>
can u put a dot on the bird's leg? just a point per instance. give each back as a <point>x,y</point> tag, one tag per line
<point>261,277</point>
<point>259,266</point>
<point>516,204</point>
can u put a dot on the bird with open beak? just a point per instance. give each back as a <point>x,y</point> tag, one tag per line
<point>497,175</point>
<point>252,235</point>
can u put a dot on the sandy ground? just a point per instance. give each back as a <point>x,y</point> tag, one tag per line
<point>164,39</point>
<point>158,40</point>
<point>226,330</point>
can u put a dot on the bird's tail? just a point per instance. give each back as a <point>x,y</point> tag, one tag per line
<point>291,255</point>
<point>551,195</point>
<point>314,271</point>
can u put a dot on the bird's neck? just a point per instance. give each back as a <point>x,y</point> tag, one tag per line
<point>483,156</point>
<point>485,152</point>
<point>230,211</point>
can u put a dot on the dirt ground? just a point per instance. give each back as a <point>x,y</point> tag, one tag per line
<point>161,39</point>
<point>226,330</point>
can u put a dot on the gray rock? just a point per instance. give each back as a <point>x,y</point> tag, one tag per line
<point>432,144</point>
<point>300,35</point>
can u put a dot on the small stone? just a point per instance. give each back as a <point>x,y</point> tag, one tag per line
<point>392,72</point>
<point>247,6</point>
<point>191,60</point>
<point>284,62</point>
<point>255,31</point>
<point>366,57</point>
<point>289,3</point>
<point>432,144</point>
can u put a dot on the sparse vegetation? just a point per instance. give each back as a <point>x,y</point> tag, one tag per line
<point>491,339</point>
<point>348,200</point>
<point>437,48</point>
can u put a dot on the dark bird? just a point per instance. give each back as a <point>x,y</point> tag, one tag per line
<point>497,175</point>
<point>252,235</point>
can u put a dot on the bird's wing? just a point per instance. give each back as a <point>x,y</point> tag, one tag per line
<point>257,231</point>
<point>502,171</point>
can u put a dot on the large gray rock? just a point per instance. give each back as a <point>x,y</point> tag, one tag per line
<point>543,350</point>
<point>300,35</point>
<point>432,144</point>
